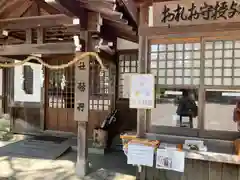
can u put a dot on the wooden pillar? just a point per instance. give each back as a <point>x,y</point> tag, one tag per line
<point>81,111</point>
<point>142,114</point>
<point>40,40</point>
<point>142,68</point>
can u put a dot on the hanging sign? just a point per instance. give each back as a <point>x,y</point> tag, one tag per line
<point>195,12</point>
<point>170,159</point>
<point>139,154</point>
<point>142,94</point>
<point>81,105</point>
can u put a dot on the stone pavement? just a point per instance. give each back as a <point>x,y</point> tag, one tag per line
<point>15,168</point>
<point>62,169</point>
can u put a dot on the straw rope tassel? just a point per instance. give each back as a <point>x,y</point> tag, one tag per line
<point>78,57</point>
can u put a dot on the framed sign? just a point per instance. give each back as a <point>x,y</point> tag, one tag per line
<point>142,95</point>
<point>195,12</point>
<point>170,159</point>
<point>139,154</point>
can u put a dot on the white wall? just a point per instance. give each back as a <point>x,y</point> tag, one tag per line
<point>123,44</point>
<point>19,94</point>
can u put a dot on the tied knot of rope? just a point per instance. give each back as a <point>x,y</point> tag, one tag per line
<point>78,57</point>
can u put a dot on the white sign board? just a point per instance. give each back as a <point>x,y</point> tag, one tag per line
<point>142,91</point>
<point>139,154</point>
<point>170,159</point>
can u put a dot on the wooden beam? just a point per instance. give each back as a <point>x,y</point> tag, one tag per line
<point>47,7</point>
<point>193,30</point>
<point>33,10</point>
<point>57,5</point>
<point>102,10</point>
<point>20,10</point>
<point>127,34</point>
<point>8,8</point>
<point>95,21</point>
<point>131,8</point>
<point>27,49</point>
<point>35,21</point>
<point>72,6</point>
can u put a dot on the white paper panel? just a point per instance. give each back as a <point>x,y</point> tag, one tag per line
<point>170,64</point>
<point>196,81</point>
<point>179,55</point>
<point>218,54</point>
<point>208,63</point>
<point>218,45</point>
<point>178,72</point>
<point>153,64</point>
<point>162,56</point>
<point>208,45</point>
<point>127,63</point>
<point>217,81</point>
<point>228,53</point>
<point>178,81</point>
<point>154,48</point>
<point>170,55</point>
<point>208,72</point>
<point>188,46</point>
<point>208,81</point>
<point>170,72</point>
<point>196,55</point>
<point>196,46</point>
<point>169,81</point>
<point>236,81</point>
<point>187,81</point>
<point>179,64</point>
<point>228,44</point>
<point>133,69</point>
<point>161,80</point>
<point>179,47</point>
<point>161,72</point>
<point>162,64</point>
<point>236,62</point>
<point>162,47</point>
<point>196,72</point>
<point>208,54</point>
<point>237,72</point>
<point>217,72</point>
<point>237,44</point>
<point>134,63</point>
<point>188,55</point>
<point>237,53</point>
<point>227,62</point>
<point>228,72</point>
<point>218,63</point>
<point>187,72</point>
<point>170,47</point>
<point>154,71</point>
<point>227,81</point>
<point>187,64</point>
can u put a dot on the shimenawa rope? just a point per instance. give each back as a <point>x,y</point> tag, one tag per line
<point>76,59</point>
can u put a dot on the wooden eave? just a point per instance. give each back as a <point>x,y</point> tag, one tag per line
<point>31,13</point>
<point>148,2</point>
<point>109,11</point>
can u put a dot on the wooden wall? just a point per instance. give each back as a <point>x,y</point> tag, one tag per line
<point>127,118</point>
<point>26,118</point>
<point>198,170</point>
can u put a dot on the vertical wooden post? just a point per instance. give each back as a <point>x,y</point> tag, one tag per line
<point>142,68</point>
<point>40,40</point>
<point>81,111</point>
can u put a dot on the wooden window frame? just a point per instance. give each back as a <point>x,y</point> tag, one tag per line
<point>124,52</point>
<point>200,132</point>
